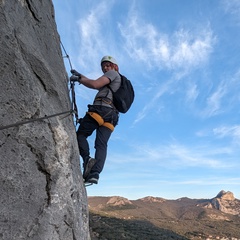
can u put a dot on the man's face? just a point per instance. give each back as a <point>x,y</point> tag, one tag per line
<point>107,66</point>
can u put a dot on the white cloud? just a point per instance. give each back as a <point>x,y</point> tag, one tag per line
<point>224,98</point>
<point>178,53</point>
<point>191,49</point>
<point>233,7</point>
<point>151,103</point>
<point>223,132</point>
<point>175,155</point>
<point>195,156</point>
<point>210,181</point>
<point>175,51</point>
<point>228,131</point>
<point>192,93</point>
<point>93,39</point>
<point>214,102</point>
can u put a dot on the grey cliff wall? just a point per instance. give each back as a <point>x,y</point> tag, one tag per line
<point>42,193</point>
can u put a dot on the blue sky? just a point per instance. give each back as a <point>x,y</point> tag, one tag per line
<point>182,135</point>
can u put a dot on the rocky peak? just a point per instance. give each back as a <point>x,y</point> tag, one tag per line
<point>118,201</point>
<point>225,195</point>
<point>226,202</point>
<point>152,199</point>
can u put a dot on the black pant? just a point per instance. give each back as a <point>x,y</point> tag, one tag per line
<point>86,128</point>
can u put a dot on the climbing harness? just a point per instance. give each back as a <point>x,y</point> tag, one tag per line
<point>100,120</point>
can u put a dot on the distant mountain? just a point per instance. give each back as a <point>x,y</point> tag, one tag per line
<point>225,202</point>
<point>158,218</point>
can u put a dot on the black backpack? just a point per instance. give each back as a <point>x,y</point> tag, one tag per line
<point>124,96</point>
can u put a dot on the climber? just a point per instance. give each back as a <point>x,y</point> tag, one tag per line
<point>102,116</point>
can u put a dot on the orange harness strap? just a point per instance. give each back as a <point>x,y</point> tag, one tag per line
<point>100,120</point>
<point>108,125</point>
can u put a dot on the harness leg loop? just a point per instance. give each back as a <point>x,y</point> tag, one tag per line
<point>100,120</point>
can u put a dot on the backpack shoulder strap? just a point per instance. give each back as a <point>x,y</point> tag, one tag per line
<point>119,85</point>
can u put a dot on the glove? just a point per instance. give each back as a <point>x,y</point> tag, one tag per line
<point>74,78</point>
<point>74,72</point>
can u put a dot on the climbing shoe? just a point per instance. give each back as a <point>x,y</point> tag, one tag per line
<point>92,178</point>
<point>90,163</point>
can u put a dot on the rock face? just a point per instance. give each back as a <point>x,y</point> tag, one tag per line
<point>151,199</point>
<point>226,202</point>
<point>42,192</point>
<point>118,201</point>
<point>226,195</point>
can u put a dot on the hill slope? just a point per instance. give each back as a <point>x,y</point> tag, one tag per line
<point>158,218</point>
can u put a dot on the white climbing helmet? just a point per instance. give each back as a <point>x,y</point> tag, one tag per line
<point>109,59</point>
